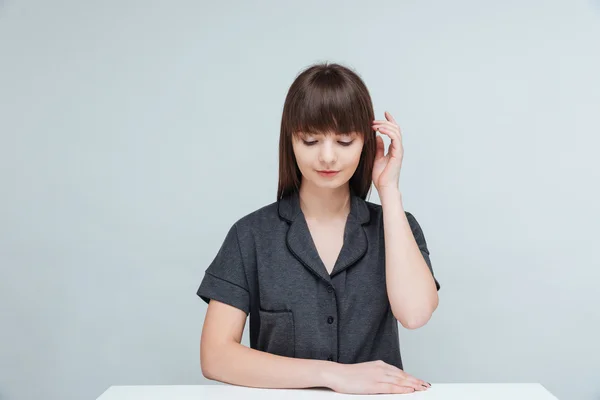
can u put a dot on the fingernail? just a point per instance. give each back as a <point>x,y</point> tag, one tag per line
<point>429,384</point>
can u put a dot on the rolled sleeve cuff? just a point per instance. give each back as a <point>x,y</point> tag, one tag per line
<point>428,261</point>
<point>215,288</point>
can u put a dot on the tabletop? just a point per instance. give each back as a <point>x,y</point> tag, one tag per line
<point>437,391</point>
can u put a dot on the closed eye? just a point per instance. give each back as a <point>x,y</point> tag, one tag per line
<point>315,141</point>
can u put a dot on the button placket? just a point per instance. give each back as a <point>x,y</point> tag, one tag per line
<point>331,321</point>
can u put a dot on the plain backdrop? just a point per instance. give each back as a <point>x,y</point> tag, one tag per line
<point>134,133</point>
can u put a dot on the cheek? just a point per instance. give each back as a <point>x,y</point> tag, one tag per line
<point>353,158</point>
<point>301,157</point>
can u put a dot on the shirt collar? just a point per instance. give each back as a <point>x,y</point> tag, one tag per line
<point>300,243</point>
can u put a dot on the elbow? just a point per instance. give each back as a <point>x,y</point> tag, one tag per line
<point>208,363</point>
<point>206,372</point>
<point>213,362</point>
<point>413,323</point>
<point>417,318</point>
<point>207,368</point>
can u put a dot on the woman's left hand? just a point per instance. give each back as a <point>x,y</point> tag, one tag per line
<point>386,168</point>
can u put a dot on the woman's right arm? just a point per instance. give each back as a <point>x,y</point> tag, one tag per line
<point>223,358</point>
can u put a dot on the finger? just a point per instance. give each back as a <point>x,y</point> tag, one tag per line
<point>380,147</point>
<point>418,382</point>
<point>402,381</point>
<point>389,117</point>
<point>396,144</point>
<point>384,121</point>
<point>415,381</point>
<point>384,388</point>
<point>394,132</point>
<point>391,128</point>
<point>385,124</point>
<point>395,371</point>
<point>410,383</point>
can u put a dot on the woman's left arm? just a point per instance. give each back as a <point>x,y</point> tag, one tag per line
<point>411,288</point>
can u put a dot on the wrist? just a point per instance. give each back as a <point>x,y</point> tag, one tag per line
<point>390,195</point>
<point>328,371</point>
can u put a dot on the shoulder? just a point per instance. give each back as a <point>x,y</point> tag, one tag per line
<point>264,218</point>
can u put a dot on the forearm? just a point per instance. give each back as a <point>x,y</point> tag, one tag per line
<point>237,364</point>
<point>410,285</point>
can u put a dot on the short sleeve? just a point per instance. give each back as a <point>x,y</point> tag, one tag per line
<point>225,278</point>
<point>420,238</point>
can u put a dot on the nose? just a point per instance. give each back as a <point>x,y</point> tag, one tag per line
<point>327,154</point>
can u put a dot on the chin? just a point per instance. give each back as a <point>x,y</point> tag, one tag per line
<point>329,183</point>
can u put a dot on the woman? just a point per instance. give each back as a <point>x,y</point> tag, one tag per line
<point>323,274</point>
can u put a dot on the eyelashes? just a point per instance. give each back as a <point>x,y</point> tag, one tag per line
<point>345,144</point>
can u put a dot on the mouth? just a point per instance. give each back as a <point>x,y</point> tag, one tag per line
<point>327,173</point>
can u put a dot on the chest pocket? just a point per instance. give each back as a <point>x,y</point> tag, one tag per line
<point>277,333</point>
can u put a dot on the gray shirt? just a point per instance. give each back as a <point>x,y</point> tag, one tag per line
<point>268,267</point>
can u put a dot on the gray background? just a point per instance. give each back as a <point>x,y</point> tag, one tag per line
<point>134,133</point>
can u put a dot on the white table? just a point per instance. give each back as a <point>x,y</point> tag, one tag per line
<point>437,391</point>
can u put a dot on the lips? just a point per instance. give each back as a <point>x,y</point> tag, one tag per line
<point>328,173</point>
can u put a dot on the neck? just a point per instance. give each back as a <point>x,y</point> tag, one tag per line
<point>324,204</point>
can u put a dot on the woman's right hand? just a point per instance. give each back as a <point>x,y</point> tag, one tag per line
<point>373,377</point>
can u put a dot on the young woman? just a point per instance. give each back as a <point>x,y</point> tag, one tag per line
<point>323,274</point>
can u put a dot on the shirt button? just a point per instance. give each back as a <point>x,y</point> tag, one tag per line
<point>330,320</point>
<point>329,289</point>
<point>330,358</point>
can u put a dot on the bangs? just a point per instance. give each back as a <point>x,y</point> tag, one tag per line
<point>328,104</point>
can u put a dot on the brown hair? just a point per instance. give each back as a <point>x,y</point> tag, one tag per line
<point>324,98</point>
